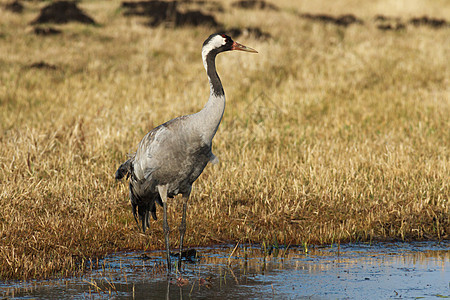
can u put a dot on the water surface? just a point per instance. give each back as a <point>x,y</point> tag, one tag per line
<point>354,271</point>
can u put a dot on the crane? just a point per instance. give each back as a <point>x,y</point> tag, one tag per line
<point>173,155</point>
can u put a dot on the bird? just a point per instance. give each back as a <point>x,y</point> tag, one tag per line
<point>170,157</point>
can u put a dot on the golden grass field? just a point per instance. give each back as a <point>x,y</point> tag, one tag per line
<point>330,134</point>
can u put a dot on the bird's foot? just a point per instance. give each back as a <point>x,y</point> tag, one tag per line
<point>189,254</point>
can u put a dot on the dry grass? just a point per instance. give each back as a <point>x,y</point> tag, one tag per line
<point>330,134</point>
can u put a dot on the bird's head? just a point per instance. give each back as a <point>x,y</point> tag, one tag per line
<point>219,42</point>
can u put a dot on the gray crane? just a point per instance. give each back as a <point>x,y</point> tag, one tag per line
<point>173,155</point>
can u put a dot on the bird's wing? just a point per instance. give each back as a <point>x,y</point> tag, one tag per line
<point>145,162</point>
<point>153,150</point>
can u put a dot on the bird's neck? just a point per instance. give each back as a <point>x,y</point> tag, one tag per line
<point>210,116</point>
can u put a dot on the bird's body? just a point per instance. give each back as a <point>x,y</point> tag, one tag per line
<point>173,155</point>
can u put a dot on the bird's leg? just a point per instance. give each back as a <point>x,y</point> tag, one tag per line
<point>166,233</point>
<point>182,227</point>
<point>163,193</point>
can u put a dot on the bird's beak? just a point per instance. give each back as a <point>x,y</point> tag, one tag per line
<point>237,46</point>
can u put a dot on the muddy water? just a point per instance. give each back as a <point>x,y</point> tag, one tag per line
<point>362,271</point>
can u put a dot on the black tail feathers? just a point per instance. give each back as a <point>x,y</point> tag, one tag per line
<point>143,207</point>
<point>141,212</point>
<point>125,169</point>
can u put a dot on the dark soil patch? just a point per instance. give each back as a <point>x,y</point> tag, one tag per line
<point>204,5</point>
<point>426,21</point>
<point>155,9</point>
<point>382,18</point>
<point>393,27</point>
<point>14,6</point>
<point>42,65</point>
<point>387,23</point>
<point>254,4</point>
<point>61,12</point>
<point>168,13</point>
<point>343,20</point>
<point>194,18</point>
<point>46,31</point>
<point>253,32</point>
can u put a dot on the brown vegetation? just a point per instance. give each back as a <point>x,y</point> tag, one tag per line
<point>330,133</point>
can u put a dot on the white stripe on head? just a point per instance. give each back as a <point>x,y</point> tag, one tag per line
<point>215,42</point>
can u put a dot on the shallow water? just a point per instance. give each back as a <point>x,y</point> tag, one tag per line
<point>354,271</point>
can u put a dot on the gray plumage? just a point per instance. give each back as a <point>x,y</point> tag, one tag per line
<point>173,155</point>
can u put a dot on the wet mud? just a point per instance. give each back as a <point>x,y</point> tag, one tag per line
<point>61,12</point>
<point>355,271</point>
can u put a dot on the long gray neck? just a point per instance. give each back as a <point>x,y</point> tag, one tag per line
<point>208,119</point>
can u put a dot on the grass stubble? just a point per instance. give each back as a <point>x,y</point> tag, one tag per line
<point>330,134</point>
